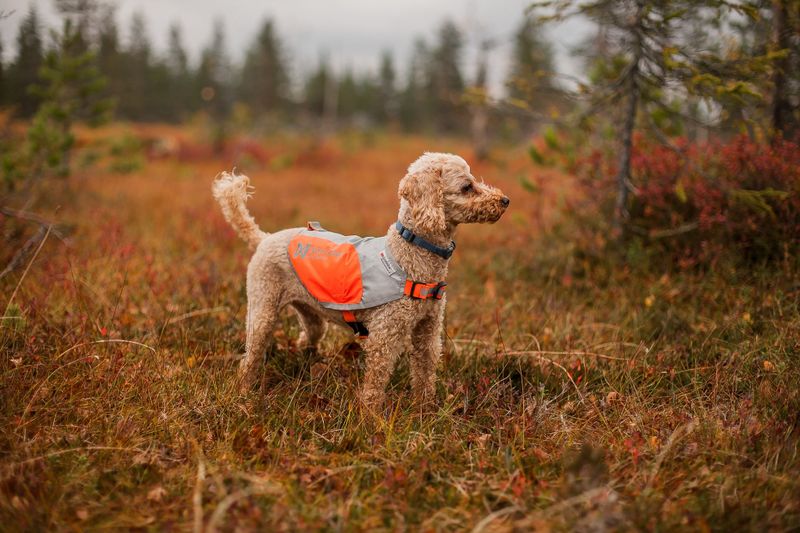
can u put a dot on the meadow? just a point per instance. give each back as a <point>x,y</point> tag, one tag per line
<point>576,392</point>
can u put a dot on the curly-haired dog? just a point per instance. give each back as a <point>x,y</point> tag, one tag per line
<point>436,195</point>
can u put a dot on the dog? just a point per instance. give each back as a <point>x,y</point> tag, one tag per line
<point>400,310</point>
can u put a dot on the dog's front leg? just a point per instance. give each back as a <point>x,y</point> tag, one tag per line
<point>383,347</point>
<point>427,342</point>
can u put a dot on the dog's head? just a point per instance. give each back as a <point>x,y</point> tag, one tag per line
<point>439,192</point>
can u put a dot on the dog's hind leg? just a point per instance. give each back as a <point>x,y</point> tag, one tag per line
<point>263,306</point>
<point>313,326</point>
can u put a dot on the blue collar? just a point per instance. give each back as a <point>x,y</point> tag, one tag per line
<point>416,240</point>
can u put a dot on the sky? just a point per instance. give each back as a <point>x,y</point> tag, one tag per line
<point>351,33</point>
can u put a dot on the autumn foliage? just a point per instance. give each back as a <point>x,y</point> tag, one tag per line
<point>698,202</point>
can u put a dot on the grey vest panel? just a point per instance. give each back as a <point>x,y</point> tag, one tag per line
<point>382,278</point>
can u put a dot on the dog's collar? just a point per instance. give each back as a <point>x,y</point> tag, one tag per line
<point>416,240</point>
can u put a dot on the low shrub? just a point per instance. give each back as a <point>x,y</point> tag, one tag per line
<point>694,203</point>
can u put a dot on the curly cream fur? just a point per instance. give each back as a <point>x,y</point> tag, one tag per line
<point>436,195</point>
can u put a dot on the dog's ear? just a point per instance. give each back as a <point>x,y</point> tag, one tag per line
<point>423,192</point>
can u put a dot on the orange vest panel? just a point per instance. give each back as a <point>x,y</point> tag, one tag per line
<point>330,271</point>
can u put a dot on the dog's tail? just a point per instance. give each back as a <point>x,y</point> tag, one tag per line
<point>231,192</point>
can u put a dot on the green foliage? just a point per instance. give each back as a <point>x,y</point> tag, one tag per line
<point>70,91</point>
<point>536,155</point>
<point>758,202</point>
<point>551,139</point>
<point>127,154</point>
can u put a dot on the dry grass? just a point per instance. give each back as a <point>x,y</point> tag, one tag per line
<point>574,395</point>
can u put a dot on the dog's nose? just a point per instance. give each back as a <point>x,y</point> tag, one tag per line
<point>505,201</point>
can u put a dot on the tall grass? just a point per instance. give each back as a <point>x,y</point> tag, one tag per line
<point>573,395</point>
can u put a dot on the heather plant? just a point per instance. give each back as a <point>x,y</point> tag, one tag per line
<point>698,202</point>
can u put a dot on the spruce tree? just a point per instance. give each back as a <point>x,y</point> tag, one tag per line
<point>24,72</point>
<point>317,86</point>
<point>3,80</point>
<point>414,100</point>
<point>387,102</point>
<point>265,80</point>
<point>180,87</point>
<point>110,59</point>
<point>70,91</point>
<point>136,94</point>
<point>212,84</point>
<point>445,83</point>
<point>649,66</point>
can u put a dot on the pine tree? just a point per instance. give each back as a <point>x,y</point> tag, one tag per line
<point>785,98</point>
<point>529,80</point>
<point>265,80</point>
<point>212,86</point>
<point>648,61</point>
<point>478,95</point>
<point>387,102</point>
<point>180,93</point>
<point>3,80</point>
<point>135,96</point>
<point>24,72</point>
<point>415,103</point>
<point>70,91</point>
<point>110,59</point>
<point>316,88</point>
<point>445,84</point>
<point>349,99</point>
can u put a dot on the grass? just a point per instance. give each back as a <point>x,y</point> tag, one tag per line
<point>574,394</point>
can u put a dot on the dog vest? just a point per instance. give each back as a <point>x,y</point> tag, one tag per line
<point>348,272</point>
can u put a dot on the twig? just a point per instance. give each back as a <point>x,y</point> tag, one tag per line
<point>260,486</point>
<point>197,496</point>
<point>33,217</point>
<point>22,278</point>
<point>680,432</point>
<point>577,500</point>
<point>580,354</point>
<point>39,387</point>
<point>71,450</point>
<point>104,341</point>
<point>491,517</point>
<point>198,312</point>
<point>551,362</point>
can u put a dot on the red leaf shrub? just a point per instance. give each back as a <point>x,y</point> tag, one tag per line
<point>698,201</point>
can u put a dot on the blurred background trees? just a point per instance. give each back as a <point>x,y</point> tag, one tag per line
<point>669,74</point>
<point>715,62</point>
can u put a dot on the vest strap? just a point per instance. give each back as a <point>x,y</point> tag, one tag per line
<point>424,291</point>
<point>358,327</point>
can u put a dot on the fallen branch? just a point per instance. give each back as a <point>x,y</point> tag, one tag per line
<point>59,230</point>
<point>72,450</point>
<point>46,227</point>
<point>35,255</point>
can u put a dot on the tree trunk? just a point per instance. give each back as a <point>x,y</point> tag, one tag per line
<point>781,106</point>
<point>624,173</point>
<point>629,123</point>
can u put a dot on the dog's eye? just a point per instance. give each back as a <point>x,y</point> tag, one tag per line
<point>467,188</point>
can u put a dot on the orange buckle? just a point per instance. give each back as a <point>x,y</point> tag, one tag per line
<point>424,291</point>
